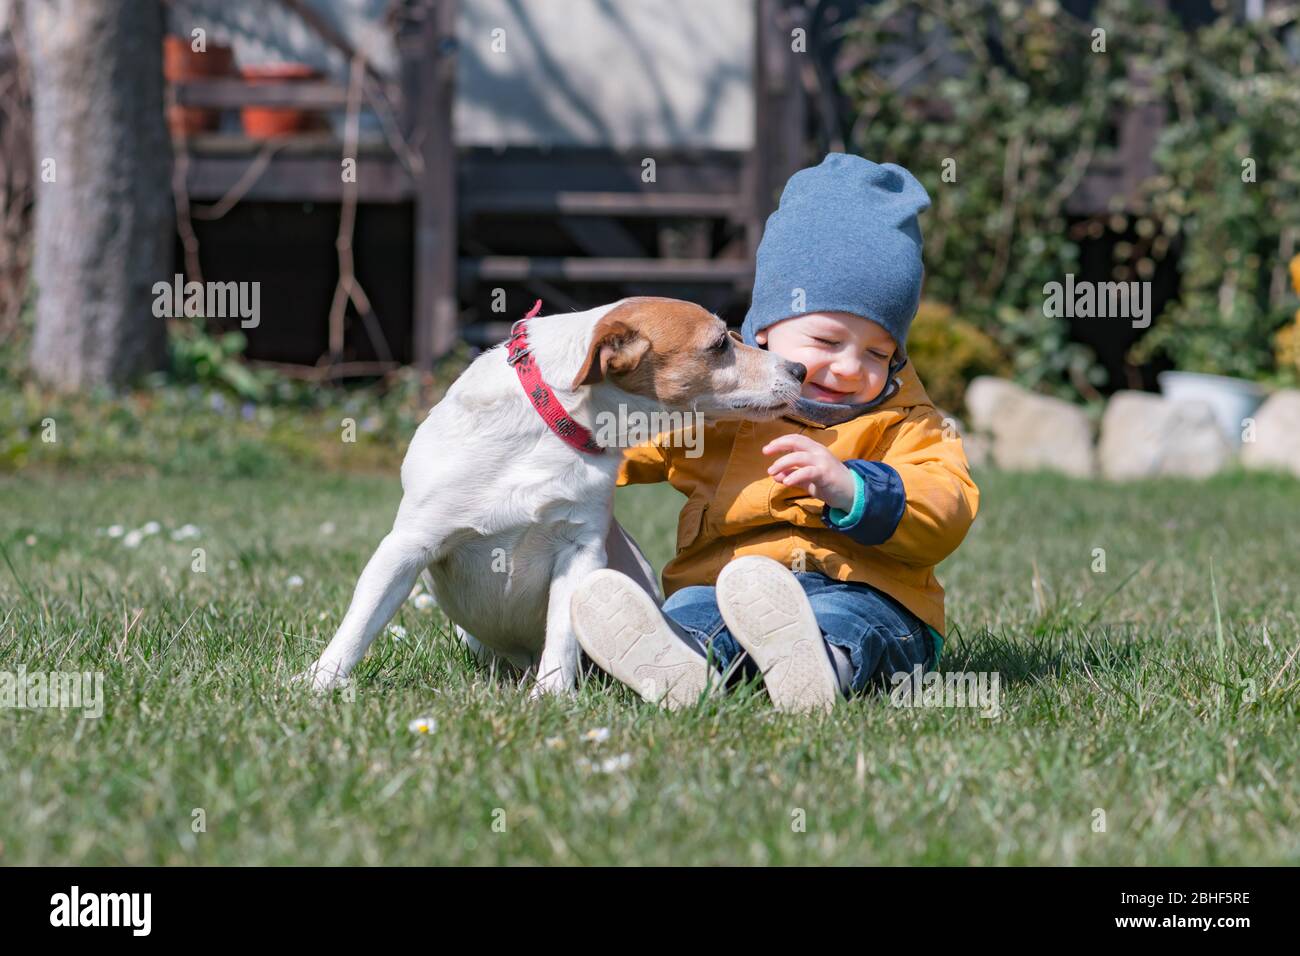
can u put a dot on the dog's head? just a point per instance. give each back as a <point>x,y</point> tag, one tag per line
<point>683,357</point>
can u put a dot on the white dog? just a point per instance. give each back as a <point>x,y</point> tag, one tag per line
<point>504,508</point>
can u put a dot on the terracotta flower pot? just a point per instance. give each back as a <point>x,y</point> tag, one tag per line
<point>183,64</point>
<point>267,122</point>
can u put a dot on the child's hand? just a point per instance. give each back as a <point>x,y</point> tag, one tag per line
<point>812,466</point>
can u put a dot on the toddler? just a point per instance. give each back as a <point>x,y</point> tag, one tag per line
<point>807,546</point>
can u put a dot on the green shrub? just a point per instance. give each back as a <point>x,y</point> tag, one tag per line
<point>1002,136</point>
<point>948,352</point>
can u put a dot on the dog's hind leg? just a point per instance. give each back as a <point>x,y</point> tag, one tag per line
<point>385,583</point>
<point>557,670</point>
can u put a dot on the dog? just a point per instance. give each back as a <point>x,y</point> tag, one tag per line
<point>506,511</point>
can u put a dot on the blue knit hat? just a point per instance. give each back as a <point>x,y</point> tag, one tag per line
<point>845,234</point>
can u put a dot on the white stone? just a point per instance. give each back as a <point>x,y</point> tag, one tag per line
<point>1276,443</point>
<point>1146,436</point>
<point>978,449</point>
<point>983,395</point>
<point>1031,432</point>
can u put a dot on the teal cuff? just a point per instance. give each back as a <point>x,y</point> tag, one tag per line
<point>847,519</point>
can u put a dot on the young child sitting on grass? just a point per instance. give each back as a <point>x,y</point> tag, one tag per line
<point>807,547</point>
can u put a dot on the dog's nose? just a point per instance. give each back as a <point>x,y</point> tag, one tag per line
<point>797,369</point>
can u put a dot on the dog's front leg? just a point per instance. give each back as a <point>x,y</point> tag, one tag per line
<point>558,668</point>
<point>384,584</point>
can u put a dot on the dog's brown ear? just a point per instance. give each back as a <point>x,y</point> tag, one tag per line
<point>616,349</point>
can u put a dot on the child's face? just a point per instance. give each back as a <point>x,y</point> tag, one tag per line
<point>847,356</point>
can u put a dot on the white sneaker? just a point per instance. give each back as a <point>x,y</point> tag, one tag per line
<point>622,629</point>
<point>768,614</point>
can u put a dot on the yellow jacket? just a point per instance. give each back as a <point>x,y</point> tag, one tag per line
<point>734,508</point>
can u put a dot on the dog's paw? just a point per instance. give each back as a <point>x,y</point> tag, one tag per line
<point>320,679</point>
<point>552,687</point>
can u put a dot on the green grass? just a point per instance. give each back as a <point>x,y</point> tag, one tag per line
<point>1160,692</point>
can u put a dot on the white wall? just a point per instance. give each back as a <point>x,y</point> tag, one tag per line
<point>573,72</point>
<point>597,72</point>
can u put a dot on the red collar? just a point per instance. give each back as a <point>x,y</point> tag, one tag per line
<point>539,393</point>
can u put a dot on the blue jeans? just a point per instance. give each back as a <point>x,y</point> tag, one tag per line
<point>880,635</point>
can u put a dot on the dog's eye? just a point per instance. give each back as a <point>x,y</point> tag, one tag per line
<point>721,345</point>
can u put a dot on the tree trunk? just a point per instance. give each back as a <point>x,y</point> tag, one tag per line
<point>104,226</point>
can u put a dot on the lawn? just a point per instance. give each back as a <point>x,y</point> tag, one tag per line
<point>1140,722</point>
